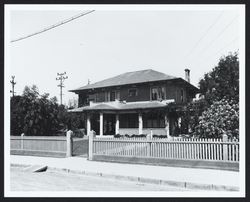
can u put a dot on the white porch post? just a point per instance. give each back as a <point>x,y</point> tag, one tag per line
<point>167,128</point>
<point>140,123</point>
<point>117,124</point>
<point>101,124</point>
<point>88,124</point>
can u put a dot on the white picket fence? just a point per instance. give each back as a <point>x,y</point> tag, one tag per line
<point>178,148</point>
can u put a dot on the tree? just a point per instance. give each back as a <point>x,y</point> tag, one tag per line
<point>210,116</point>
<point>18,110</point>
<point>223,81</point>
<point>35,114</point>
<point>222,117</point>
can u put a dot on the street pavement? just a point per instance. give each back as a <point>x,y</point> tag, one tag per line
<point>182,177</point>
<point>51,180</point>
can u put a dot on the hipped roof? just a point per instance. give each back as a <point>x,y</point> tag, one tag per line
<point>142,76</point>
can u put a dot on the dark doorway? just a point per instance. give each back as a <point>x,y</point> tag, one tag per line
<point>109,124</point>
<point>95,123</point>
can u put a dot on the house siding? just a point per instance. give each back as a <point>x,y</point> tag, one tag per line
<point>143,93</point>
<point>173,91</point>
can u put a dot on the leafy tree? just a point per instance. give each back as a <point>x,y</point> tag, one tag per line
<point>35,114</point>
<point>18,110</point>
<point>211,115</point>
<point>222,81</point>
<point>222,117</point>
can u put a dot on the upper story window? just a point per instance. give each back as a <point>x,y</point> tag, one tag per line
<point>158,93</point>
<point>182,95</point>
<point>132,92</point>
<point>112,95</point>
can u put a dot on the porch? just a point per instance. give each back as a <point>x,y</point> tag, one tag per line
<point>123,118</point>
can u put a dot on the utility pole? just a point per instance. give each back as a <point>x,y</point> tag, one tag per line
<point>61,77</point>
<point>13,83</point>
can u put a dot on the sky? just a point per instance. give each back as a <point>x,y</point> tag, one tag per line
<point>109,42</point>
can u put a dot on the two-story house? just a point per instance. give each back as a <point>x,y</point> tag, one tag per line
<point>134,103</point>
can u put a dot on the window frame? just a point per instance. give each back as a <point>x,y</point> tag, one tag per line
<point>161,90</point>
<point>136,92</point>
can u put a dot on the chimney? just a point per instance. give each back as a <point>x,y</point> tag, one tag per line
<point>187,75</point>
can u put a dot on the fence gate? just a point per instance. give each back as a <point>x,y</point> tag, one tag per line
<point>80,146</point>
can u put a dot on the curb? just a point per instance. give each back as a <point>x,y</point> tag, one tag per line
<point>187,185</point>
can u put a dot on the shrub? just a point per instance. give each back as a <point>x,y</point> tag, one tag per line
<point>222,117</point>
<point>117,136</point>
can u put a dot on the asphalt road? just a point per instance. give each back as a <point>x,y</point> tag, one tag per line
<point>61,181</point>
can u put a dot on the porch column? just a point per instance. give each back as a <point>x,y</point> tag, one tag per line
<point>101,124</point>
<point>140,123</point>
<point>117,124</point>
<point>88,124</point>
<point>167,128</point>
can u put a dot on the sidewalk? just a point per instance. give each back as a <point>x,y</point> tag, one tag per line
<point>185,177</point>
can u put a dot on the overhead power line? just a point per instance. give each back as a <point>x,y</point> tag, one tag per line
<point>53,26</point>
<point>219,51</point>
<point>218,35</point>
<point>203,36</point>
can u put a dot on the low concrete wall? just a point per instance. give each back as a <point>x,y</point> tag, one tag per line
<point>39,146</point>
<point>131,131</point>
<point>232,166</point>
<point>156,131</point>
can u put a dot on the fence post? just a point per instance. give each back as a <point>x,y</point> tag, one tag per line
<point>91,137</point>
<point>22,141</point>
<point>69,143</point>
<point>148,145</point>
<point>225,150</point>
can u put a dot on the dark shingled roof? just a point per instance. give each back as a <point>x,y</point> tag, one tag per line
<point>129,78</point>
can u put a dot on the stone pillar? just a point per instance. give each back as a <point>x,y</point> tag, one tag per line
<point>88,124</point>
<point>101,124</point>
<point>167,128</point>
<point>140,123</point>
<point>117,124</point>
<point>69,143</point>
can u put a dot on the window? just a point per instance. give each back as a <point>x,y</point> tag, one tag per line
<point>117,95</point>
<point>182,95</point>
<point>132,92</point>
<point>158,93</point>
<point>129,121</point>
<point>153,120</point>
<point>112,96</point>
